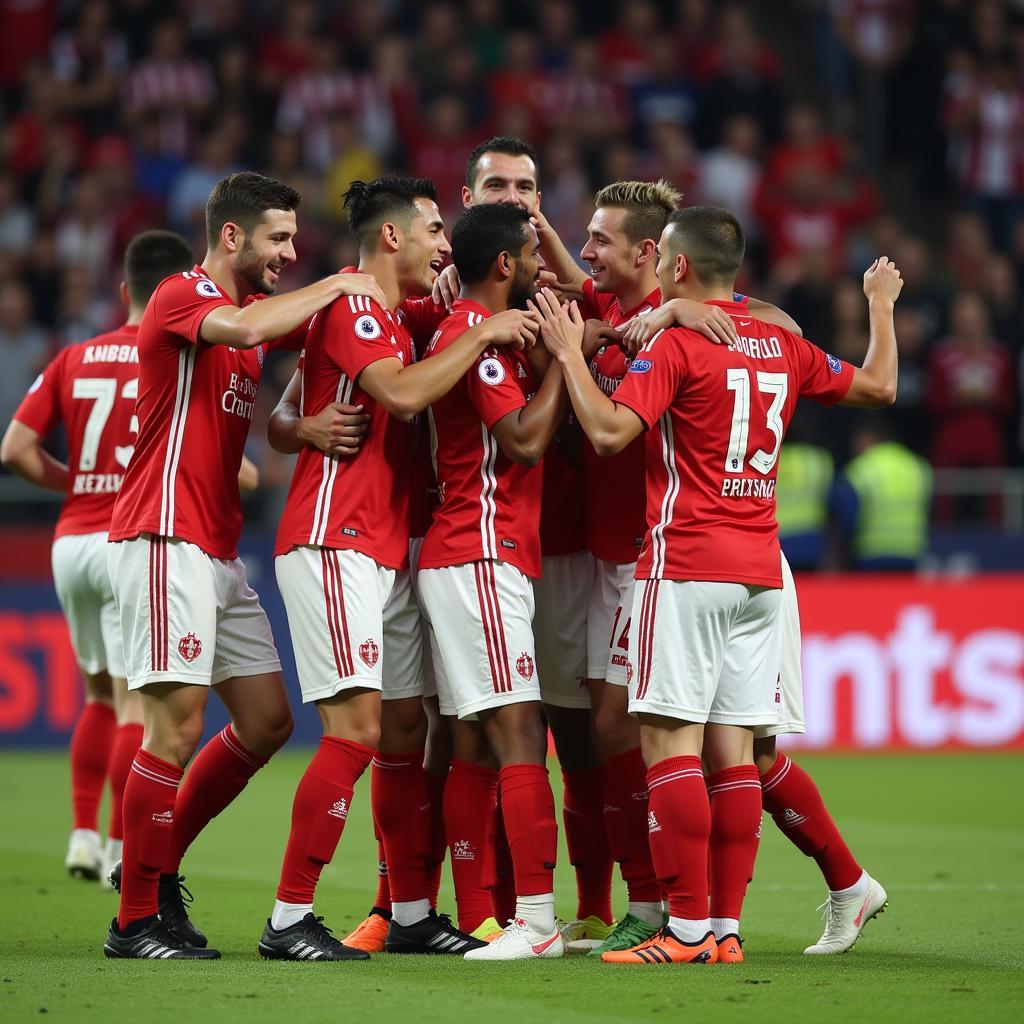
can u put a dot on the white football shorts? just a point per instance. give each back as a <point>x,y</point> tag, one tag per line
<point>406,639</point>
<point>83,588</point>
<point>186,617</point>
<point>791,679</point>
<point>706,652</point>
<point>481,614</point>
<point>608,620</point>
<point>562,596</point>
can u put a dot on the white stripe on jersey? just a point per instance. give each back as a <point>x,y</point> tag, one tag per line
<point>186,365</point>
<point>322,509</point>
<point>488,508</point>
<point>668,456</point>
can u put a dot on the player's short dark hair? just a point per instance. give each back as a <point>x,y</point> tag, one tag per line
<point>242,198</point>
<point>712,240</point>
<point>371,204</point>
<point>482,233</point>
<point>509,145</point>
<point>647,205</point>
<point>149,258</point>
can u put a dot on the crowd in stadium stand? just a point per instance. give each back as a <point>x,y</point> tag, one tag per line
<point>835,129</point>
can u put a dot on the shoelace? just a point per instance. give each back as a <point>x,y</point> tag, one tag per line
<point>827,911</point>
<point>182,897</point>
<point>317,929</point>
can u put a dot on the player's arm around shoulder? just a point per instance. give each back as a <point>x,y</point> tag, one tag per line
<point>406,390</point>
<point>260,322</point>
<point>609,425</point>
<point>874,384</point>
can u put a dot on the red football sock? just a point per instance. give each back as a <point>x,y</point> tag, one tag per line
<point>626,823</point>
<point>792,799</point>
<point>470,798</point>
<point>528,810</point>
<point>502,875</point>
<point>587,842</point>
<point>127,741</point>
<point>735,834</point>
<point>401,808</point>
<point>319,810</point>
<point>383,899</point>
<point>219,773</point>
<point>438,846</point>
<point>90,753</point>
<point>679,822</point>
<point>149,797</point>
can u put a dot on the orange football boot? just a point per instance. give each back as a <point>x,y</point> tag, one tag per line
<point>369,935</point>
<point>665,948</point>
<point>730,949</point>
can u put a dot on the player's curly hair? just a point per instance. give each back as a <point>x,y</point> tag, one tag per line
<point>648,206</point>
<point>509,145</point>
<point>242,198</point>
<point>482,233</point>
<point>712,240</point>
<point>149,258</point>
<point>371,204</point>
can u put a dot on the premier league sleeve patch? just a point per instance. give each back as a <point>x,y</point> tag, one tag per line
<point>491,371</point>
<point>834,363</point>
<point>367,328</point>
<point>206,289</point>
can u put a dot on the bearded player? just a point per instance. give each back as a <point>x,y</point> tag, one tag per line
<point>189,621</point>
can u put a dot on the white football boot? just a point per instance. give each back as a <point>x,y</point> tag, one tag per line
<point>85,854</point>
<point>845,918</point>
<point>518,941</point>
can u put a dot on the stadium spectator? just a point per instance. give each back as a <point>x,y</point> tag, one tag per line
<point>970,394</point>
<point>730,172</point>
<point>24,346</point>
<point>16,219</point>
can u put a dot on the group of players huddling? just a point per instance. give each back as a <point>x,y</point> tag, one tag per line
<point>525,498</point>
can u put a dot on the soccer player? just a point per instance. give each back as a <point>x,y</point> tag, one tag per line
<point>90,388</point>
<point>706,652</point>
<point>482,549</point>
<point>342,567</point>
<point>622,288</point>
<point>188,619</point>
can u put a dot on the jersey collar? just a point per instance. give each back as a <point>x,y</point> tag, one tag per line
<point>470,306</point>
<point>738,308</point>
<point>652,301</point>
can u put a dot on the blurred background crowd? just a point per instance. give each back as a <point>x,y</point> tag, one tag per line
<point>835,129</point>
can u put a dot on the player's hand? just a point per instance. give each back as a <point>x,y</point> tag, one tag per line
<point>446,287</point>
<point>515,327</point>
<point>565,291</point>
<point>361,284</point>
<point>338,429</point>
<point>561,327</point>
<point>596,335</point>
<point>882,280</point>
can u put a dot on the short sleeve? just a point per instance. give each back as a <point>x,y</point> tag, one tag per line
<point>654,378</point>
<point>181,303</point>
<point>825,378</point>
<point>492,386</point>
<point>356,333</point>
<point>294,340</point>
<point>40,408</point>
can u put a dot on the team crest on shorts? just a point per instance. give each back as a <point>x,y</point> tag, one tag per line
<point>189,647</point>
<point>369,652</point>
<point>524,665</point>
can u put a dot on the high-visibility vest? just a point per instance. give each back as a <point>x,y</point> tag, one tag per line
<point>894,487</point>
<point>801,490</point>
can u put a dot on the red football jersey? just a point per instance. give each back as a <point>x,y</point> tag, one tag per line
<point>91,388</point>
<point>616,495</point>
<point>716,416</point>
<point>195,406</point>
<point>490,505</point>
<point>359,502</point>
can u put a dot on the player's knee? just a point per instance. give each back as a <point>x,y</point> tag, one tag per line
<point>279,729</point>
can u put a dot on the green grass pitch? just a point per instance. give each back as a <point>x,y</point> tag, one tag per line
<point>945,835</point>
